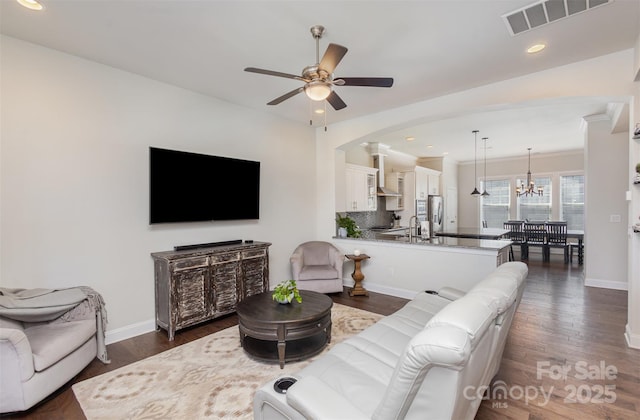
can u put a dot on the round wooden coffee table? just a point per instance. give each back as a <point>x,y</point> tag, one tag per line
<point>272,331</point>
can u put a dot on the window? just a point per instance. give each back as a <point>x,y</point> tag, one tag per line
<point>572,201</point>
<point>495,206</point>
<point>536,207</point>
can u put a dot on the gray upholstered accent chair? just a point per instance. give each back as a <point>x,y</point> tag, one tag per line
<point>317,266</point>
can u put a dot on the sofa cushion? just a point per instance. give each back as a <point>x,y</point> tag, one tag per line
<point>501,290</point>
<point>11,323</point>
<point>318,272</point>
<point>361,377</point>
<point>503,286</point>
<point>52,342</point>
<point>517,269</point>
<point>315,399</point>
<point>470,314</point>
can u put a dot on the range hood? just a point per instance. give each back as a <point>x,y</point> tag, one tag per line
<point>378,163</point>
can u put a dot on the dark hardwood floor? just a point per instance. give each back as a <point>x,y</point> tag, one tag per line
<point>560,325</point>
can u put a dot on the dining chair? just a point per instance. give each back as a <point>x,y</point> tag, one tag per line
<point>535,234</point>
<point>557,238</point>
<point>516,236</point>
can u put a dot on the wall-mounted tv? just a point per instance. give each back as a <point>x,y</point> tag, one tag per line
<point>192,187</point>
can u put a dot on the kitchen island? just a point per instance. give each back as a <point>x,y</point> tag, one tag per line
<point>401,268</point>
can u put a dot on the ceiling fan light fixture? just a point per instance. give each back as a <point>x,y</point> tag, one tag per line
<point>317,90</point>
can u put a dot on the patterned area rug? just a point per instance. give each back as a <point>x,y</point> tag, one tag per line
<point>210,377</point>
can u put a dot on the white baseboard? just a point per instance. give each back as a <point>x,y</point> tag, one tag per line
<point>133,330</point>
<point>633,340</point>
<point>380,288</point>
<point>606,284</point>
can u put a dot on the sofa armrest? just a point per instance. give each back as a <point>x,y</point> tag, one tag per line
<point>297,261</point>
<point>17,358</point>
<point>315,400</point>
<point>451,293</point>
<point>337,260</point>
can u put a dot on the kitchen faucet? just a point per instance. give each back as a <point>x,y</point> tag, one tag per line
<point>410,230</point>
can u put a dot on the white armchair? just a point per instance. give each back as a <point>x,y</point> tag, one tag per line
<point>317,266</point>
<point>46,343</point>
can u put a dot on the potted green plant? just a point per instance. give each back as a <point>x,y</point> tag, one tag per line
<point>636,180</point>
<point>349,225</point>
<point>286,291</point>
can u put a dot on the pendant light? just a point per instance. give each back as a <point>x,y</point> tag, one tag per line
<point>530,188</point>
<point>475,161</point>
<point>484,182</point>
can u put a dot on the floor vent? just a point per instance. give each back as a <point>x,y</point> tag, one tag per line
<point>546,11</point>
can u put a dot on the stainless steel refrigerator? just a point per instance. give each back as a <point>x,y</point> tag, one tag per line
<point>435,212</point>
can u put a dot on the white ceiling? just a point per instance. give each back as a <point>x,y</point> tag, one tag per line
<point>430,48</point>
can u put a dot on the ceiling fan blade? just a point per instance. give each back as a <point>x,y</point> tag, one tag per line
<point>332,57</point>
<point>274,73</point>
<point>286,96</point>
<point>336,102</point>
<point>367,81</point>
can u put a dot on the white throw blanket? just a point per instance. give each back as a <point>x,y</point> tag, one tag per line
<point>63,305</point>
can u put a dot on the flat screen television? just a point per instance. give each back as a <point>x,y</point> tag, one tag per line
<point>192,187</point>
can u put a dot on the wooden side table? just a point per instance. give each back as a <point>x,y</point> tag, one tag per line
<point>357,275</point>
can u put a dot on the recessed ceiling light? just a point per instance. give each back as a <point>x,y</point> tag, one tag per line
<point>30,4</point>
<point>429,146</point>
<point>536,48</point>
<point>409,138</point>
<point>319,111</point>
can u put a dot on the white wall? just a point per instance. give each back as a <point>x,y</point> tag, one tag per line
<point>543,164</point>
<point>606,208</point>
<point>632,330</point>
<point>74,176</point>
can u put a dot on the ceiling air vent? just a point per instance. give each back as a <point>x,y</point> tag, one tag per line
<point>546,11</point>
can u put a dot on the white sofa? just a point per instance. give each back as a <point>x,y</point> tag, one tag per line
<point>428,360</point>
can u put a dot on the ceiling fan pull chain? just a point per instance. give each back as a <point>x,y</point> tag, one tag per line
<point>325,116</point>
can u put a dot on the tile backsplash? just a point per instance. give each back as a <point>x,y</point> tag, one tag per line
<point>367,219</point>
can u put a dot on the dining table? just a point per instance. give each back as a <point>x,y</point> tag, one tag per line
<point>579,235</point>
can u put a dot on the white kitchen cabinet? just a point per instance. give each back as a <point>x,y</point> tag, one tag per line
<point>395,181</point>
<point>427,182</point>
<point>434,184</point>
<point>419,184</point>
<point>360,188</point>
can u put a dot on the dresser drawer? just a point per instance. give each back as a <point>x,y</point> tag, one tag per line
<point>189,263</point>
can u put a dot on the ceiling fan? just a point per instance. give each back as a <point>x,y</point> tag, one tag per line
<point>319,80</point>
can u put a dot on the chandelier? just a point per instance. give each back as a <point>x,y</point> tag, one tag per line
<point>530,188</point>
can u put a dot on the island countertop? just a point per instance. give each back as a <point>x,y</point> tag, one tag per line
<point>438,241</point>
